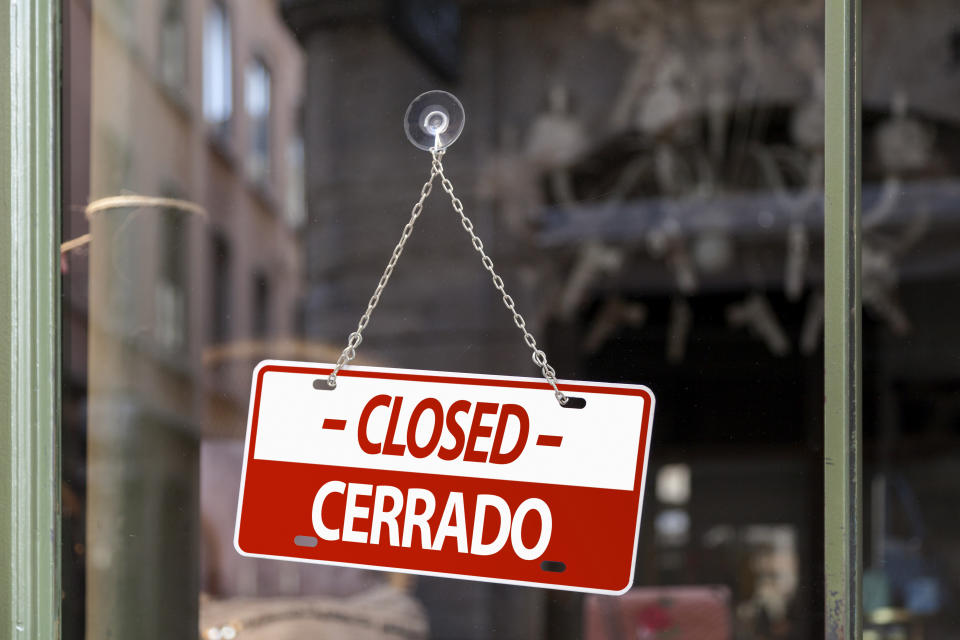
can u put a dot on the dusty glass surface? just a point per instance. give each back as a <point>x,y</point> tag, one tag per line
<point>646,177</point>
<point>911,278</point>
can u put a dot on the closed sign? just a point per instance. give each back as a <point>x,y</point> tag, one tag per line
<point>456,475</point>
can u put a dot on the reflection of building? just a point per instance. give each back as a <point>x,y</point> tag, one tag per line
<point>649,180</point>
<point>197,103</point>
<point>215,89</point>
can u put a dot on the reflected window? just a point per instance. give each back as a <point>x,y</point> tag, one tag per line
<point>296,200</point>
<point>120,15</point>
<point>257,102</point>
<point>171,291</point>
<point>219,288</point>
<point>261,305</point>
<point>173,46</point>
<point>217,69</point>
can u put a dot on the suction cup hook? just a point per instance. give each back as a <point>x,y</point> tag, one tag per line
<point>434,120</point>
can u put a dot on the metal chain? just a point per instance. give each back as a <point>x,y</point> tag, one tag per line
<point>355,338</point>
<point>539,357</point>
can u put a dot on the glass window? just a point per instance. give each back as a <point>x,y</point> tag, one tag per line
<point>295,194</point>
<point>260,305</point>
<point>257,101</point>
<point>173,45</point>
<point>217,68</point>
<point>647,178</point>
<point>220,288</point>
<point>171,290</point>
<point>911,289</point>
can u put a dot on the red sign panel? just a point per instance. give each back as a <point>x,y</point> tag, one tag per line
<point>476,477</point>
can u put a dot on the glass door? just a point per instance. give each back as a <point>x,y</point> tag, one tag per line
<point>673,197</point>
<point>647,178</point>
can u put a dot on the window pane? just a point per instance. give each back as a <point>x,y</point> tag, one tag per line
<point>257,91</point>
<point>173,46</point>
<point>260,310</point>
<point>911,281</point>
<point>171,292</point>
<point>220,288</point>
<point>647,179</point>
<point>217,68</point>
<point>295,193</point>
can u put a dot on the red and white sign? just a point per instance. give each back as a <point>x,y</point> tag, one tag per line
<point>446,474</point>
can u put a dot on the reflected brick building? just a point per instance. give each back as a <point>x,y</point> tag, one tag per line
<point>191,207</point>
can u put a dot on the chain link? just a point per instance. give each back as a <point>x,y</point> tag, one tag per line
<point>355,338</point>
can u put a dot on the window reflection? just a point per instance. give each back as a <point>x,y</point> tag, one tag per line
<point>910,281</point>
<point>173,46</point>
<point>221,282</point>
<point>217,68</point>
<point>295,192</point>
<point>260,307</point>
<point>187,253</point>
<point>257,91</point>
<point>171,291</point>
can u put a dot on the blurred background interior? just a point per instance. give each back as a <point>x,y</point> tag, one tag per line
<point>647,174</point>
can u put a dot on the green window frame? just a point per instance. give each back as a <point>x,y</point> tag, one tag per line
<point>842,428</point>
<point>29,329</point>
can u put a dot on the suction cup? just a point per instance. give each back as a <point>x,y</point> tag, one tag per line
<point>434,119</point>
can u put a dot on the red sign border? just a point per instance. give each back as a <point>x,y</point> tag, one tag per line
<point>323,370</point>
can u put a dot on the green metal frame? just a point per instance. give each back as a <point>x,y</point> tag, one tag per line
<point>29,320</point>
<point>842,389</point>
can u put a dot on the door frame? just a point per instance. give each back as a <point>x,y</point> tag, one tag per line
<point>842,428</point>
<point>29,320</point>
